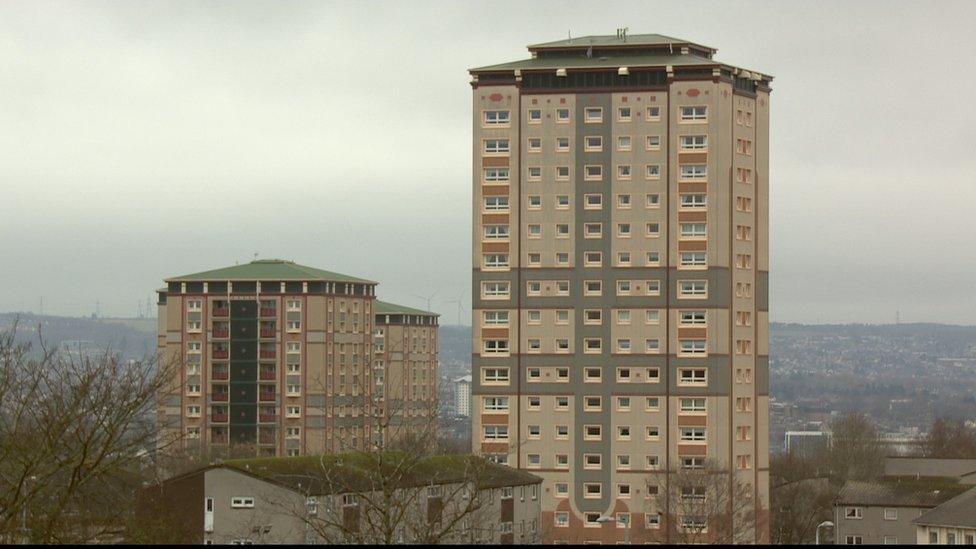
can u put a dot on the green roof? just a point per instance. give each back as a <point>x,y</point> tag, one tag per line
<point>384,307</point>
<point>352,472</point>
<point>269,269</point>
<point>634,40</point>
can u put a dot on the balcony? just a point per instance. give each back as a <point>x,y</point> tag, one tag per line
<point>221,354</point>
<point>220,374</point>
<point>220,393</point>
<point>268,331</point>
<point>268,374</point>
<point>267,418</point>
<point>268,352</point>
<point>267,396</point>
<point>266,436</point>
<point>221,330</point>
<point>218,418</point>
<point>218,439</point>
<point>269,312</point>
<point>221,308</point>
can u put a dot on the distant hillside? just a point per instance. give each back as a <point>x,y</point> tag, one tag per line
<point>133,337</point>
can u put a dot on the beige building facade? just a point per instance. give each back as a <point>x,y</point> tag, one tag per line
<point>272,358</point>
<point>620,267</point>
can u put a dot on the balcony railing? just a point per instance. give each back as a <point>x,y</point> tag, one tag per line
<point>266,439</point>
<point>267,375</point>
<point>269,311</point>
<point>267,418</point>
<point>266,333</point>
<point>268,354</point>
<point>221,333</point>
<point>219,418</point>
<point>267,396</point>
<point>221,354</point>
<point>220,397</point>
<point>220,375</point>
<point>221,311</point>
<point>218,439</point>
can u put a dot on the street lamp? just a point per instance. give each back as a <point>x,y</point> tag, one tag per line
<point>607,518</point>
<point>826,523</point>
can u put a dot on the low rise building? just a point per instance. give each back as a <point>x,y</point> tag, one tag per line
<point>883,511</point>
<point>953,522</point>
<point>346,498</point>
<point>904,466</point>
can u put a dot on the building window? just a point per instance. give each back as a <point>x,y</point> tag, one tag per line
<point>624,143</point>
<point>593,172</point>
<point>535,116</point>
<point>242,502</point>
<point>693,201</point>
<point>562,115</point>
<point>593,115</point>
<point>652,114</point>
<point>652,171</point>
<point>653,142</point>
<point>497,118</point>
<point>623,114</point>
<point>496,146</point>
<point>694,114</point>
<point>694,142</point>
<point>496,175</point>
<point>853,513</point>
<point>694,172</point>
<point>692,376</point>
<point>592,143</point>
<point>858,540</point>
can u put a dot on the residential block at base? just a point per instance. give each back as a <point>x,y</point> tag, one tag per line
<point>620,257</point>
<point>883,511</point>
<point>346,498</point>
<point>275,358</point>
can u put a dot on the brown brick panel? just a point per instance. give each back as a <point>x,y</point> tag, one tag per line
<point>494,218</point>
<point>692,421</point>
<point>494,247</point>
<point>692,245</point>
<point>692,449</point>
<point>692,333</point>
<point>689,217</point>
<point>494,447</point>
<point>695,187</point>
<point>494,333</point>
<point>495,190</point>
<point>494,161</point>
<point>494,419</point>
<point>692,158</point>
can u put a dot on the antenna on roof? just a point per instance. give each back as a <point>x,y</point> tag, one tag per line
<point>255,256</point>
<point>622,33</point>
<point>670,48</point>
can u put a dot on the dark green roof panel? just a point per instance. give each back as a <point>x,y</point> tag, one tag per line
<point>269,269</point>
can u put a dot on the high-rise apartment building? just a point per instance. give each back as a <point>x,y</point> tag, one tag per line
<point>620,261</point>
<point>278,359</point>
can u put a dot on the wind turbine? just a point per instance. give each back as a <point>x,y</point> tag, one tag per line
<point>427,298</point>
<point>460,305</point>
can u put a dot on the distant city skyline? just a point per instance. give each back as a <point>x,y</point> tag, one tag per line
<point>137,138</point>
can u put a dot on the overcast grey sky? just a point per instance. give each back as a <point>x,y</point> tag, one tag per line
<point>140,140</point>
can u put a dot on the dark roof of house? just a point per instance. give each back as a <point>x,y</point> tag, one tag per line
<point>269,269</point>
<point>610,40</point>
<point>344,473</point>
<point>959,511</point>
<point>900,492</point>
<point>610,51</point>
<point>603,60</point>
<point>929,467</point>
<point>384,307</point>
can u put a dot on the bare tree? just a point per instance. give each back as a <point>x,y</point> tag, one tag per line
<point>74,433</point>
<point>707,505</point>
<point>801,497</point>
<point>950,439</point>
<point>855,451</point>
<point>392,497</point>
